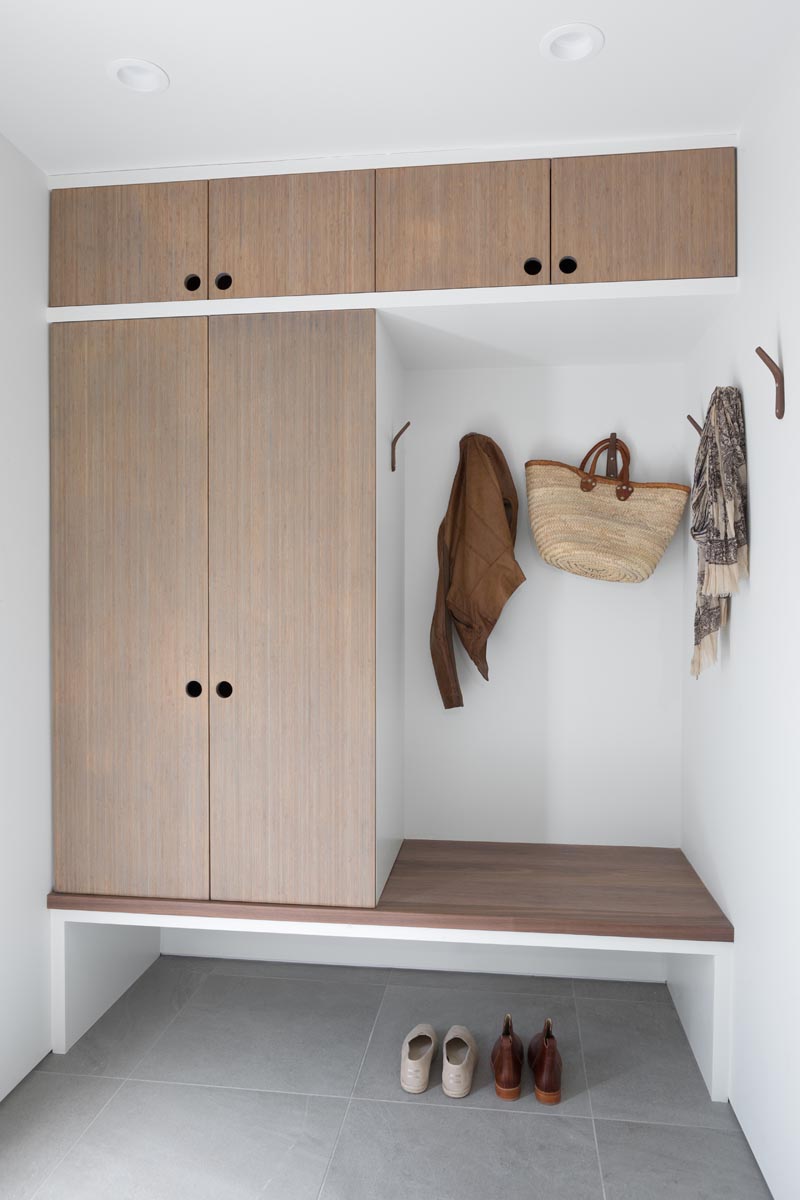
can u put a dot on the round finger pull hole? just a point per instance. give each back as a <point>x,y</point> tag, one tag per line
<point>192,283</point>
<point>532,266</point>
<point>567,264</point>
<point>223,281</point>
<point>224,689</point>
<point>194,688</point>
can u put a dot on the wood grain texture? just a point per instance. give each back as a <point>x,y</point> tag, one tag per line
<point>667,215</point>
<point>129,606</point>
<point>292,601</point>
<point>605,891</point>
<point>293,235</point>
<point>128,244</point>
<point>462,225</point>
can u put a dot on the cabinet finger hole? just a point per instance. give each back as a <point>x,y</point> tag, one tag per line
<point>223,281</point>
<point>567,264</point>
<point>532,266</point>
<point>192,283</point>
<point>224,689</point>
<point>194,688</point>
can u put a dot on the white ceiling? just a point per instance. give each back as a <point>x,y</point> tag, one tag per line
<point>257,80</point>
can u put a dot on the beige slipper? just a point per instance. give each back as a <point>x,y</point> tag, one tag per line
<point>419,1049</point>
<point>460,1056</point>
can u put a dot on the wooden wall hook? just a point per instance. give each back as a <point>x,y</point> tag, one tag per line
<point>395,440</point>
<point>780,396</point>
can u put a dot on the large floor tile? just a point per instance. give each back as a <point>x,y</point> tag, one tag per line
<point>640,1067</point>
<point>318,972</point>
<point>612,989</point>
<point>482,1012</point>
<point>39,1121</point>
<point>114,1045</point>
<point>282,1035</point>
<point>403,1152</point>
<point>168,1142</point>
<point>530,985</point>
<point>663,1162</point>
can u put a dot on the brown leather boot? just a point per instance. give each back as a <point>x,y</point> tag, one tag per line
<point>506,1060</point>
<point>545,1062</point>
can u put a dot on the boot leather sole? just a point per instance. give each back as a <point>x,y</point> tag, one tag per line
<point>508,1093</point>
<point>547,1097</point>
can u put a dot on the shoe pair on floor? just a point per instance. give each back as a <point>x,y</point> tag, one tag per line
<point>543,1059</point>
<point>460,1056</point>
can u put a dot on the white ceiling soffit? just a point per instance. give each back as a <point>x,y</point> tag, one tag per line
<point>645,328</point>
<point>258,80</point>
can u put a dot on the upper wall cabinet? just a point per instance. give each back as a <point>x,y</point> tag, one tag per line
<point>460,226</point>
<point>292,235</point>
<point>668,215</point>
<point>129,244</point>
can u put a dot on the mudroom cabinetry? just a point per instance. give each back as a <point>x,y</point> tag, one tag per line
<point>129,609</point>
<point>129,244</point>
<point>292,235</point>
<point>213,555</point>
<point>601,219</point>
<point>666,215</point>
<point>463,225</point>
<point>292,607</point>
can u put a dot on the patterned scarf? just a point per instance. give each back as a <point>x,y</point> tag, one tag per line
<point>719,520</point>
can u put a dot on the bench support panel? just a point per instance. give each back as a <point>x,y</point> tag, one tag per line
<point>96,956</point>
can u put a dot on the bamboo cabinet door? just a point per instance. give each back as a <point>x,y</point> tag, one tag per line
<point>130,607</point>
<point>129,244</point>
<point>292,607</point>
<point>463,225</point>
<point>292,235</point>
<point>666,215</point>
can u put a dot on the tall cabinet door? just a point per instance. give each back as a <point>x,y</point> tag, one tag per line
<point>129,425</point>
<point>292,607</point>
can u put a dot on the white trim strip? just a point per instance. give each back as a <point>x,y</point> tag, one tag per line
<point>573,293</point>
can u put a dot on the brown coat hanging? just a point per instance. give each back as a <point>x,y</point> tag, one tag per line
<point>477,568</point>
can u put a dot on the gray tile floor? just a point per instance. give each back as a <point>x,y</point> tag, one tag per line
<point>220,1080</point>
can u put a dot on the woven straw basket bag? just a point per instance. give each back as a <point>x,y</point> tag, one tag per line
<point>601,526</point>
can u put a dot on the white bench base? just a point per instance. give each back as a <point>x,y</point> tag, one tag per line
<point>96,956</point>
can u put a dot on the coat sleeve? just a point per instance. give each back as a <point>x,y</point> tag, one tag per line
<point>444,662</point>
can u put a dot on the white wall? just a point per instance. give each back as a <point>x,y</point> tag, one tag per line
<point>25,874</point>
<point>389,516</point>
<point>577,735</point>
<point>742,741</point>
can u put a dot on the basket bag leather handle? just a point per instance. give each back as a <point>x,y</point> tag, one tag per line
<point>611,444</point>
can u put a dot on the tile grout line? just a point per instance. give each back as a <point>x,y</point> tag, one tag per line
<point>589,1096</point>
<point>80,1136</point>
<point>114,1094</point>
<point>76,1075</point>
<point>518,1112</point>
<point>352,1091</point>
<point>329,1163</point>
<point>169,1025</point>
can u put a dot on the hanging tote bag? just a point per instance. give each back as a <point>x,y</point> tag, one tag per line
<point>601,526</point>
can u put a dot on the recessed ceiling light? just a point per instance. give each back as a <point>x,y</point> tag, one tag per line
<point>571,43</point>
<point>138,75</point>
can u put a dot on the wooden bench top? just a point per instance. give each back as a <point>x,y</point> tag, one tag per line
<point>611,891</point>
